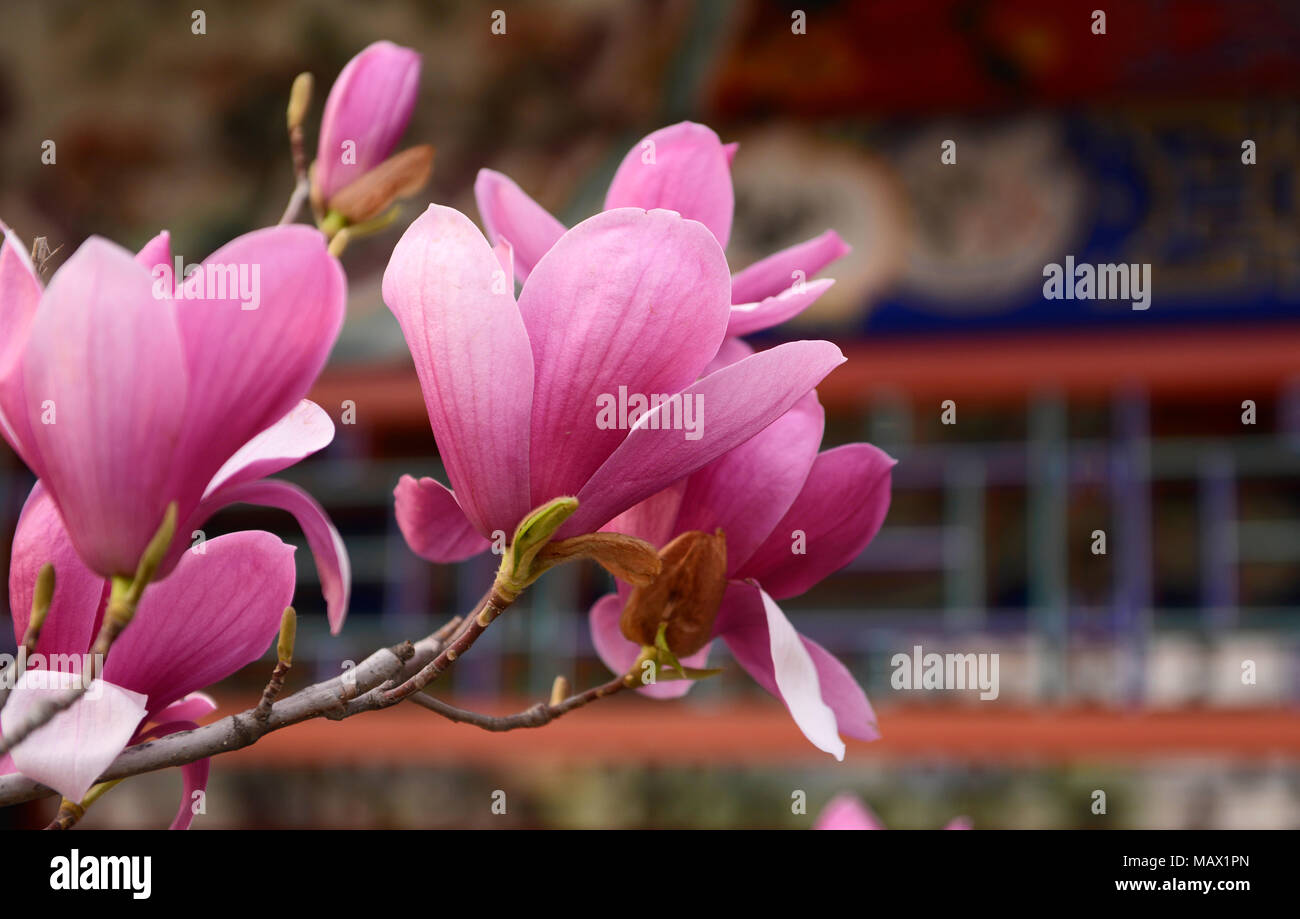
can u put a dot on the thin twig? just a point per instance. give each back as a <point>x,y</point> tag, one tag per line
<point>538,716</point>
<point>339,697</point>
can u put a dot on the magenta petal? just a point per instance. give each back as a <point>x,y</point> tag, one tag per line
<point>682,168</point>
<point>306,429</point>
<point>753,317</point>
<point>433,523</point>
<point>109,454</point>
<point>188,708</point>
<point>853,712</point>
<point>510,215</point>
<point>366,112</point>
<point>194,776</point>
<point>630,299</point>
<point>839,510</point>
<point>846,812</point>
<point>619,654</point>
<point>781,270</point>
<point>655,518</point>
<point>250,367</point>
<point>40,538</point>
<point>71,751</point>
<point>739,401</point>
<point>764,642</point>
<point>215,614</point>
<point>327,548</point>
<point>471,353</point>
<point>747,490</point>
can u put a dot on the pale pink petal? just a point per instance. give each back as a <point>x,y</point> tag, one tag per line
<point>215,614</point>
<point>733,349</point>
<point>74,748</point>
<point>781,270</point>
<point>682,168</point>
<point>109,454</point>
<point>837,513</point>
<point>505,254</point>
<point>20,294</point>
<point>39,538</point>
<point>250,367</point>
<point>753,317</point>
<point>764,642</point>
<point>306,429</point>
<point>157,255</point>
<point>366,112</point>
<point>194,776</point>
<point>960,823</point>
<point>730,150</point>
<point>472,356</point>
<point>433,523</point>
<point>747,490</point>
<point>738,401</point>
<point>630,299</point>
<point>847,812</point>
<point>510,215</point>
<point>327,549</point>
<point>619,654</point>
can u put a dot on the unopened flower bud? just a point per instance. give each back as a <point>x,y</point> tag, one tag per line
<point>685,596</point>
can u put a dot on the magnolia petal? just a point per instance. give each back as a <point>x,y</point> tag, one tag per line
<point>840,509</point>
<point>764,642</point>
<point>366,112</point>
<point>40,538</point>
<point>509,214</point>
<point>188,708</point>
<point>739,401</point>
<point>781,270</point>
<point>619,654</point>
<point>306,429</point>
<point>249,367</point>
<point>847,812</point>
<point>194,776</point>
<point>753,317</point>
<point>471,353</point>
<point>74,748</point>
<point>655,518</point>
<point>433,523</point>
<point>627,299</point>
<point>748,489</point>
<point>853,712</point>
<point>327,549</point>
<point>156,255</point>
<point>215,614</point>
<point>683,168</point>
<point>108,456</point>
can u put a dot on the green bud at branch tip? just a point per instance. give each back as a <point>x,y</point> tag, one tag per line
<point>154,553</point>
<point>559,690</point>
<point>299,100</point>
<point>331,223</point>
<point>288,632</point>
<point>532,534</point>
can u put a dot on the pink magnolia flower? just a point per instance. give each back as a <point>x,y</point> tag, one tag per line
<point>124,391</point>
<point>772,497</point>
<point>628,298</point>
<point>848,812</point>
<point>217,613</point>
<point>366,113</point>
<point>683,168</point>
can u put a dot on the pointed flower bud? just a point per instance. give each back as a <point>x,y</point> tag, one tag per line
<point>288,632</point>
<point>299,100</point>
<point>532,534</point>
<point>685,597</point>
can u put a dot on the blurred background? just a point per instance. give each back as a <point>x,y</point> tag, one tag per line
<point>1120,672</point>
